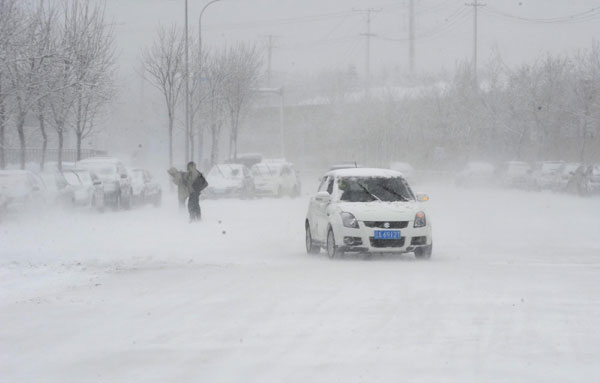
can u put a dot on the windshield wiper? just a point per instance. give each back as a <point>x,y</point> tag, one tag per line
<point>367,191</point>
<point>402,198</point>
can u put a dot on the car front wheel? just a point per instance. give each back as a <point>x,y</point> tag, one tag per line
<point>311,248</point>
<point>333,251</point>
<point>424,252</point>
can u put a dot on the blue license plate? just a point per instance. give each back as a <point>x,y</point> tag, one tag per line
<point>387,234</point>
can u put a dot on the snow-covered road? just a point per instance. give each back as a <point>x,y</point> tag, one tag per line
<point>512,293</point>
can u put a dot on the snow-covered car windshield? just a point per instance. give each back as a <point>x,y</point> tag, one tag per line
<point>72,179</point>
<point>84,177</point>
<point>101,169</point>
<point>265,170</point>
<point>369,189</point>
<point>226,171</point>
<point>551,167</point>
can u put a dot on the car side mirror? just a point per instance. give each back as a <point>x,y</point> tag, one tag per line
<point>323,196</point>
<point>422,197</point>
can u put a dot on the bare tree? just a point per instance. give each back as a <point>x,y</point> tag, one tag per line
<point>214,100</point>
<point>242,65</point>
<point>26,66</point>
<point>163,65</point>
<point>10,20</point>
<point>93,65</point>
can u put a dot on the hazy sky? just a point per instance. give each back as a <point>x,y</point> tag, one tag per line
<point>326,33</point>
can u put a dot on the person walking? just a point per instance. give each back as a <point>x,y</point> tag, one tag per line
<point>195,182</point>
<point>178,179</point>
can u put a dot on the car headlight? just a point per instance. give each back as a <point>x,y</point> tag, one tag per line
<point>349,220</point>
<point>420,220</point>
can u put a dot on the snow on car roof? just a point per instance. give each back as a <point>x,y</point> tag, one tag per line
<point>100,160</point>
<point>365,172</point>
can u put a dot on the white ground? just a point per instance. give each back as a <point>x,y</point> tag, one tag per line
<point>511,294</point>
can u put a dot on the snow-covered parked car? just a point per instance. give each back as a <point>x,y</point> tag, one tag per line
<point>476,174</point>
<point>276,179</point>
<point>517,175</point>
<point>21,189</point>
<point>548,174</point>
<point>144,188</point>
<point>229,180</point>
<point>114,177</point>
<point>567,172</point>
<point>87,188</point>
<point>594,179</point>
<point>405,168</point>
<point>57,189</point>
<point>367,210</point>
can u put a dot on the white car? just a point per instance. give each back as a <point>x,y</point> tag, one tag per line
<point>114,177</point>
<point>276,179</point>
<point>87,188</point>
<point>367,211</point>
<point>229,180</point>
<point>22,189</point>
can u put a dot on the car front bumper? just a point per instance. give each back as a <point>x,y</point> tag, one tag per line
<point>362,240</point>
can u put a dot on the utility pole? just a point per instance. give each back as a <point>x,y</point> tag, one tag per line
<point>475,4</point>
<point>187,87</point>
<point>368,36</point>
<point>271,40</point>
<point>411,36</point>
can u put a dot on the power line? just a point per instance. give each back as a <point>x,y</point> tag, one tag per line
<point>588,15</point>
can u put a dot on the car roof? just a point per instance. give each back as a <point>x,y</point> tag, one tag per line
<point>364,172</point>
<point>100,160</point>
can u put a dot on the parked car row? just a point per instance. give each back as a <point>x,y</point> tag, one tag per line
<point>276,178</point>
<point>93,183</point>
<point>556,176</point>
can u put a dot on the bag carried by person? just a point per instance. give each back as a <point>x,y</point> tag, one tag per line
<point>200,183</point>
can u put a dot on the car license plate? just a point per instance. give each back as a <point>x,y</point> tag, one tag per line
<point>387,234</point>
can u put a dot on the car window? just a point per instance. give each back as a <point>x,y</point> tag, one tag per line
<point>330,185</point>
<point>323,185</point>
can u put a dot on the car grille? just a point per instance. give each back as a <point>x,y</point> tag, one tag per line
<point>383,243</point>
<point>390,224</point>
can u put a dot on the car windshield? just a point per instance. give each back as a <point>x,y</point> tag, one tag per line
<point>551,167</point>
<point>369,189</point>
<point>226,171</point>
<point>102,169</point>
<point>72,179</point>
<point>84,177</point>
<point>265,170</point>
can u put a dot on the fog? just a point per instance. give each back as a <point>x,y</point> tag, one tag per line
<point>359,221</point>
